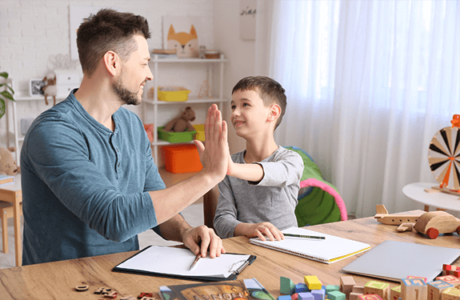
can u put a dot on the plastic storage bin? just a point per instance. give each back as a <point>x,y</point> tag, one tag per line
<point>199,132</point>
<point>180,95</point>
<point>181,158</point>
<point>175,137</point>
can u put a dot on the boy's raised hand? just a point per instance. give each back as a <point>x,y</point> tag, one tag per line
<point>260,230</point>
<point>216,154</point>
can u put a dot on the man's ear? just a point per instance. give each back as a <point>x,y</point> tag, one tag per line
<point>112,62</point>
<point>275,112</point>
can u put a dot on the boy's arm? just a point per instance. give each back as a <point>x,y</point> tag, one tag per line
<point>249,172</point>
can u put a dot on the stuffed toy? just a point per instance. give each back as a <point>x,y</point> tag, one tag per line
<point>182,123</point>
<point>50,87</point>
<point>7,164</point>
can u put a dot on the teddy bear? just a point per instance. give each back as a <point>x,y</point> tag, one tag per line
<point>50,88</point>
<point>182,123</point>
<point>7,163</point>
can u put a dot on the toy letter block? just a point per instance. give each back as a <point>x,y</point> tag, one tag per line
<point>424,278</point>
<point>306,296</point>
<point>354,296</point>
<point>318,294</point>
<point>346,284</point>
<point>301,288</point>
<point>449,279</point>
<point>379,288</point>
<point>287,287</point>
<point>450,294</point>
<point>312,282</point>
<point>369,297</point>
<point>450,270</point>
<point>284,297</point>
<point>395,293</point>
<point>413,289</point>
<point>336,295</point>
<point>435,289</point>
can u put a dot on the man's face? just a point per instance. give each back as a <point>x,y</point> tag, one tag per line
<point>135,72</point>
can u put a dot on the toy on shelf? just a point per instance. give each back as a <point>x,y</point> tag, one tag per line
<point>182,123</point>
<point>50,88</point>
<point>205,90</point>
<point>8,165</point>
<point>444,158</point>
<point>385,218</point>
<point>436,222</point>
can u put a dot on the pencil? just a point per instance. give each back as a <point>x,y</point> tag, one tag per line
<point>197,258</point>
<point>306,236</point>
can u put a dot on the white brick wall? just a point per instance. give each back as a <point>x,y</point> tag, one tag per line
<point>32,30</point>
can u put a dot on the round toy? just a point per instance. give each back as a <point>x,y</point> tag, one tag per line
<point>444,156</point>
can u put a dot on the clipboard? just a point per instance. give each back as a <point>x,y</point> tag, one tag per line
<point>173,262</point>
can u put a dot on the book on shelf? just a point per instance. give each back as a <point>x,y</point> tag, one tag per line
<point>249,289</point>
<point>6,179</point>
<point>165,53</point>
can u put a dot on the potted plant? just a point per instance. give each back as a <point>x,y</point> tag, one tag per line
<point>5,95</point>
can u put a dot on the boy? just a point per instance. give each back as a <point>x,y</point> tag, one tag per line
<point>259,194</point>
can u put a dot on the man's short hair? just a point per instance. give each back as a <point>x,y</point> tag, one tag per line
<point>269,90</point>
<point>108,30</point>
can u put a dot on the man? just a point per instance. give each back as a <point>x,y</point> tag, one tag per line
<point>89,181</point>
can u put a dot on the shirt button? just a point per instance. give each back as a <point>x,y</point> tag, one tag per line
<point>118,150</point>
<point>118,164</point>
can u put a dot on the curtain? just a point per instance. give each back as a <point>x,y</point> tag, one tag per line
<point>368,84</point>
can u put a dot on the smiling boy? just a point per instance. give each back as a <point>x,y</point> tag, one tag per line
<point>259,194</point>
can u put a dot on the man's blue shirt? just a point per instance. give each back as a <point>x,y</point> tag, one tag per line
<point>85,188</point>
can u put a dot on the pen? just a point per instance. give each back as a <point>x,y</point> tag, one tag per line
<point>306,236</point>
<point>197,258</point>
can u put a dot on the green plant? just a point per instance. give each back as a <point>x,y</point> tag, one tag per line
<point>5,95</point>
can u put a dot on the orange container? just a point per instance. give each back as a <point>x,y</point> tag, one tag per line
<point>181,158</point>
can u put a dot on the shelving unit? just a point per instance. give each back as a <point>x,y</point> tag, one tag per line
<point>155,103</point>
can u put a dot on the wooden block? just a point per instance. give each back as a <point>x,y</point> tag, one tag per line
<point>354,296</point>
<point>413,289</point>
<point>450,294</point>
<point>346,284</point>
<point>287,287</point>
<point>424,278</point>
<point>312,282</point>
<point>358,289</point>
<point>318,294</point>
<point>284,297</point>
<point>378,288</point>
<point>301,288</point>
<point>369,297</point>
<point>306,296</point>
<point>435,289</point>
<point>450,279</point>
<point>295,296</point>
<point>331,288</point>
<point>336,295</point>
<point>395,293</point>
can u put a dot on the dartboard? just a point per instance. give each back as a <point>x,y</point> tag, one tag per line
<point>444,157</point>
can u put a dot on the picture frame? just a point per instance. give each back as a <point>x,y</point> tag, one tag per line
<point>35,87</point>
<point>183,34</point>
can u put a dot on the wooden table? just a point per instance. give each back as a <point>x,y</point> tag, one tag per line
<point>57,280</point>
<point>13,193</point>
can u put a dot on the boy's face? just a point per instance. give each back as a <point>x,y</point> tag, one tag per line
<point>249,114</point>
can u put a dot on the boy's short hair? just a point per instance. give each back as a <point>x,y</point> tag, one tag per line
<point>105,31</point>
<point>269,90</point>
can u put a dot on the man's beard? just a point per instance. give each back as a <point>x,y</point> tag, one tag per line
<point>128,97</point>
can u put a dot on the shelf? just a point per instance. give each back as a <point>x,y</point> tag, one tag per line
<point>23,96</point>
<point>192,100</point>
<point>188,60</point>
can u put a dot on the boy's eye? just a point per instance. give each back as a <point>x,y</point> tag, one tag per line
<point>245,104</point>
<point>233,106</point>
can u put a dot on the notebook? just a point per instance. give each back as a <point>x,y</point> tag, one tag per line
<point>329,250</point>
<point>392,260</point>
<point>175,263</point>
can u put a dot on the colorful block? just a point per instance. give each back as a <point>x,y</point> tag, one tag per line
<point>449,279</point>
<point>287,287</point>
<point>301,288</point>
<point>336,295</point>
<point>450,294</point>
<point>295,296</point>
<point>354,296</point>
<point>424,278</point>
<point>378,288</point>
<point>395,293</point>
<point>331,288</point>
<point>312,282</point>
<point>306,296</point>
<point>435,289</point>
<point>346,284</point>
<point>318,294</point>
<point>284,297</point>
<point>369,297</point>
<point>413,289</point>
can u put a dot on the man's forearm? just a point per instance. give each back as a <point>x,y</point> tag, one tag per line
<point>174,228</point>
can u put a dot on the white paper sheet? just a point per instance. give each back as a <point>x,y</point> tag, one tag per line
<point>177,261</point>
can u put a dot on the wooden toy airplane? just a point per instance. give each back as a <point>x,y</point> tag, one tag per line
<point>385,218</point>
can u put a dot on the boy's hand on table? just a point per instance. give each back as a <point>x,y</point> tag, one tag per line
<point>199,239</point>
<point>259,230</point>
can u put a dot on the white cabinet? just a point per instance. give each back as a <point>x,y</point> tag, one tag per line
<point>153,108</point>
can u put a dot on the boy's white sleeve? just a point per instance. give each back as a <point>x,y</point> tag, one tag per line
<point>225,219</point>
<point>284,171</point>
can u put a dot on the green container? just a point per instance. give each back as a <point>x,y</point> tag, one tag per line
<point>176,137</point>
